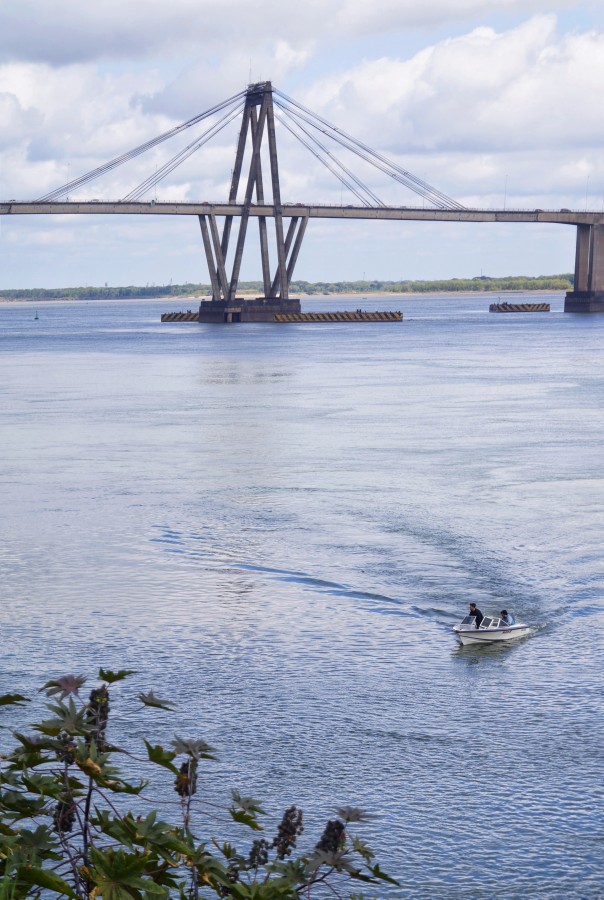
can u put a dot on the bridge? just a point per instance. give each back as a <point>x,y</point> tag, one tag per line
<point>257,107</point>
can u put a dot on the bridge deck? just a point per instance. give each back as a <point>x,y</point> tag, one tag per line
<point>395,213</point>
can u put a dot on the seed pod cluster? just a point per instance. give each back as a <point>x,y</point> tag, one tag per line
<point>63,816</point>
<point>258,855</point>
<point>97,716</point>
<point>333,837</point>
<point>289,829</point>
<point>66,751</point>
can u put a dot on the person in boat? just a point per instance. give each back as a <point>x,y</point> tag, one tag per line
<point>507,618</point>
<point>474,611</point>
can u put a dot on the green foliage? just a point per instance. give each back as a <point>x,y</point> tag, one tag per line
<point>149,699</point>
<point>480,283</point>
<point>65,832</point>
<point>13,700</point>
<point>67,684</point>
<point>109,676</point>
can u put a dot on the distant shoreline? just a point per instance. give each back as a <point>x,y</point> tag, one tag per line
<point>190,292</point>
<point>193,302</point>
<point>249,295</point>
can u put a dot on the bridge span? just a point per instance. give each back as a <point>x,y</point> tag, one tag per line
<point>313,211</point>
<point>587,296</point>
<point>259,106</point>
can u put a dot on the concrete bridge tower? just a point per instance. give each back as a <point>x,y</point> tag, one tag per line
<point>258,123</point>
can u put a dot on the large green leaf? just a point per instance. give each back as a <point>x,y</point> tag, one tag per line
<point>40,839</point>
<point>18,803</point>
<point>149,699</point>
<point>46,785</point>
<point>377,873</point>
<point>13,699</point>
<point>45,879</point>
<point>362,848</point>
<point>161,757</point>
<point>247,804</point>
<point>109,676</point>
<point>67,717</point>
<point>119,786</point>
<point>239,815</point>
<point>118,875</point>
<point>196,748</point>
<point>67,684</point>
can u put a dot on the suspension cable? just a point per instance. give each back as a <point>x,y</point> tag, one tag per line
<point>182,155</point>
<point>431,194</point>
<point>136,151</point>
<point>374,199</point>
<point>438,198</point>
<point>325,162</point>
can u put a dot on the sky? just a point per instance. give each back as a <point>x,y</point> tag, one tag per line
<point>495,102</point>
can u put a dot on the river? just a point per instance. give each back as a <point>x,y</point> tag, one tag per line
<point>277,526</point>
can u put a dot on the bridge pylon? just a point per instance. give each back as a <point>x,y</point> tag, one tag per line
<point>257,129</point>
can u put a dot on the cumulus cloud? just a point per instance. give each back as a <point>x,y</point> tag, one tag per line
<point>18,122</point>
<point>478,102</point>
<point>493,115</point>
<point>485,89</point>
<point>203,82</point>
<point>358,16</point>
<point>64,32</point>
<point>461,113</point>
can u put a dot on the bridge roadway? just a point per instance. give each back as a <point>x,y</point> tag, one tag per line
<point>587,296</point>
<point>393,213</point>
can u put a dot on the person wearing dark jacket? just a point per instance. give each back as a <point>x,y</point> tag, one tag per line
<point>474,611</point>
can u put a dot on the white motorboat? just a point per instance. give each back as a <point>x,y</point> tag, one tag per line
<point>491,631</point>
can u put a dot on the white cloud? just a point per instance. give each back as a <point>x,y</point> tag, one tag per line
<point>359,16</point>
<point>494,110</point>
<point>204,82</point>
<point>18,122</point>
<point>64,32</point>
<point>460,113</point>
<point>470,106</point>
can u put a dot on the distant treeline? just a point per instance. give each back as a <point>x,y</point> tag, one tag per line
<point>480,283</point>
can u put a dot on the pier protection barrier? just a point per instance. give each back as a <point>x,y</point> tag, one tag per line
<point>180,316</point>
<point>226,314</point>
<point>518,307</point>
<point>357,315</point>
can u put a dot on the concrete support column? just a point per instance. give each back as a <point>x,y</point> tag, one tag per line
<point>207,245</point>
<point>582,257</point>
<point>596,259</point>
<point>588,295</point>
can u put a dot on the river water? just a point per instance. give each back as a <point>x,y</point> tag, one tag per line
<point>278,525</point>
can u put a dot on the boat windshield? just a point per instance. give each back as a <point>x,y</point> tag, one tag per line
<point>489,622</point>
<point>469,620</point>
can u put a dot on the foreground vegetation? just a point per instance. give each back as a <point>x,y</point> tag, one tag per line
<point>65,831</point>
<point>480,283</point>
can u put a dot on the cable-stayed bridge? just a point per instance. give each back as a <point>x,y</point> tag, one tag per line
<point>260,106</point>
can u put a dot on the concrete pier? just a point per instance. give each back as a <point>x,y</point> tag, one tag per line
<point>588,295</point>
<point>259,309</point>
<point>584,302</point>
<point>267,309</point>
